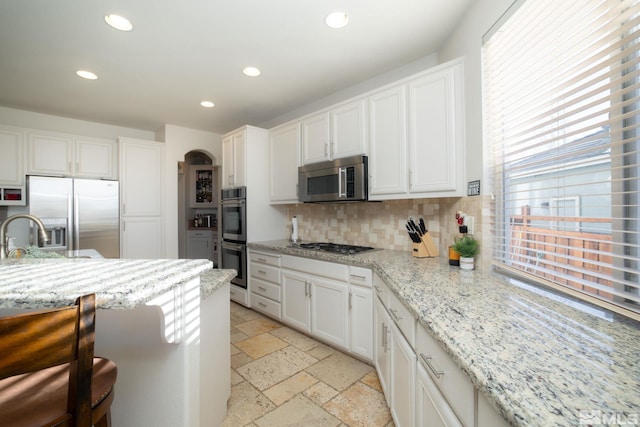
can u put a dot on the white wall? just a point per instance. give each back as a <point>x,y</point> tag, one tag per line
<point>466,41</point>
<point>32,120</point>
<point>179,141</point>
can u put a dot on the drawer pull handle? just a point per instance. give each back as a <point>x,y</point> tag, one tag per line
<point>261,304</point>
<point>378,289</point>
<point>394,313</point>
<point>261,260</point>
<point>427,361</point>
<point>262,272</point>
<point>385,333</point>
<point>356,276</point>
<point>263,289</point>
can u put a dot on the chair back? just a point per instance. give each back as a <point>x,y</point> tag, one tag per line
<point>33,341</point>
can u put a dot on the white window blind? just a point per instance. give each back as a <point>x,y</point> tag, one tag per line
<point>562,116</point>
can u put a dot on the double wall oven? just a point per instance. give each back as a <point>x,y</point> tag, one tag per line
<point>234,232</point>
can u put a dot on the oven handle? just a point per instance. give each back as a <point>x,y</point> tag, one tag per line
<point>233,246</point>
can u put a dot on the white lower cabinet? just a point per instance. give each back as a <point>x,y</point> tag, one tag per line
<point>329,311</point>
<point>455,385</point>
<point>296,306</point>
<point>264,283</point>
<point>432,408</point>
<point>395,360</point>
<point>487,415</point>
<point>332,302</point>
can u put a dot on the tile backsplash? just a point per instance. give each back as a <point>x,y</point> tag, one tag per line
<point>382,224</point>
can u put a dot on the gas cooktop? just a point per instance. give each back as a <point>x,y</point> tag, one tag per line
<point>335,248</point>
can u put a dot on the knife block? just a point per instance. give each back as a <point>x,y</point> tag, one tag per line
<point>426,248</point>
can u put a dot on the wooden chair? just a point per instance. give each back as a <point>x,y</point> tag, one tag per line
<point>48,374</point>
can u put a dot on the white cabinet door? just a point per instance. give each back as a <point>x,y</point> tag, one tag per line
<point>387,139</point>
<point>348,130</point>
<point>315,139</point>
<point>11,157</point>
<point>284,158</point>
<point>141,238</point>
<point>432,408</point>
<point>329,311</point>
<point>141,177</point>
<point>95,158</point>
<point>141,201</point>
<point>382,348</point>
<point>50,154</point>
<point>361,321</point>
<point>295,300</point>
<point>402,379</point>
<point>487,415</point>
<point>435,131</point>
<point>233,159</point>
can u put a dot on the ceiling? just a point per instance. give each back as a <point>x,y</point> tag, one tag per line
<point>183,52</point>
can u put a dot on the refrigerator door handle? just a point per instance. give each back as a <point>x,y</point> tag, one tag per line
<point>76,223</point>
<point>70,221</point>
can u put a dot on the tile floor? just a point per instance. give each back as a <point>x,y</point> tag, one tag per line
<point>280,377</point>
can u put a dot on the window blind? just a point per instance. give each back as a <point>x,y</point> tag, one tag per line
<point>561,83</point>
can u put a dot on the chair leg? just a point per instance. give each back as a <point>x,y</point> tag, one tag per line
<point>105,421</point>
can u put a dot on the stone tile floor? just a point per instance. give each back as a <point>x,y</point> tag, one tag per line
<point>280,377</point>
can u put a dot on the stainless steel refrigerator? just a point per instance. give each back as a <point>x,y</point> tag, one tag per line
<point>77,213</point>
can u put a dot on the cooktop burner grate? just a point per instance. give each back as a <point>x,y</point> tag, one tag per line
<point>335,247</point>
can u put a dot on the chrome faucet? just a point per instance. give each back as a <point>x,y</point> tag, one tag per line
<point>3,232</point>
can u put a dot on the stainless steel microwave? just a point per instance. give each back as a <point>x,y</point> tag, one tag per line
<point>339,180</point>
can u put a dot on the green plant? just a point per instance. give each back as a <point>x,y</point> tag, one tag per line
<point>467,247</point>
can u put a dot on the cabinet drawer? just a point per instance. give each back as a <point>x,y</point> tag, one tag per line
<point>266,289</point>
<point>265,305</point>
<point>360,276</point>
<point>454,384</point>
<point>382,291</point>
<point>200,233</point>
<point>316,268</point>
<point>265,258</point>
<point>265,272</point>
<point>403,318</point>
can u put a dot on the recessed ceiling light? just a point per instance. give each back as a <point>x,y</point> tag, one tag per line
<point>251,71</point>
<point>337,19</point>
<point>207,104</point>
<point>86,74</point>
<point>119,22</point>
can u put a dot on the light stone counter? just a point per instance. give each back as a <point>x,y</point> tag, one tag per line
<point>165,323</point>
<point>539,361</point>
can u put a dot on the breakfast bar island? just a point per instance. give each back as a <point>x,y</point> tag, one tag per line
<point>165,323</point>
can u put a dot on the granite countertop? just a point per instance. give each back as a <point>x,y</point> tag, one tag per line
<point>541,358</point>
<point>118,283</point>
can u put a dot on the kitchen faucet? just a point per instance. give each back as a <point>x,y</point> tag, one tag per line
<point>3,232</point>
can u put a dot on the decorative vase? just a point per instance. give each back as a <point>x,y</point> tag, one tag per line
<point>466,263</point>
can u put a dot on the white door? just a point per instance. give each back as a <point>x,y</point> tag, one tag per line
<point>295,300</point>
<point>348,130</point>
<point>382,348</point>
<point>315,139</point>
<point>388,142</point>
<point>329,310</point>
<point>403,374</point>
<point>361,321</point>
<point>433,133</point>
<point>284,157</point>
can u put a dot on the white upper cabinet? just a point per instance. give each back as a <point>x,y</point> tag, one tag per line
<point>315,138</point>
<point>417,136</point>
<point>56,154</point>
<point>436,132</point>
<point>387,142</point>
<point>50,154</point>
<point>284,158</point>
<point>96,158</point>
<point>339,132</point>
<point>233,159</point>
<point>11,157</point>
